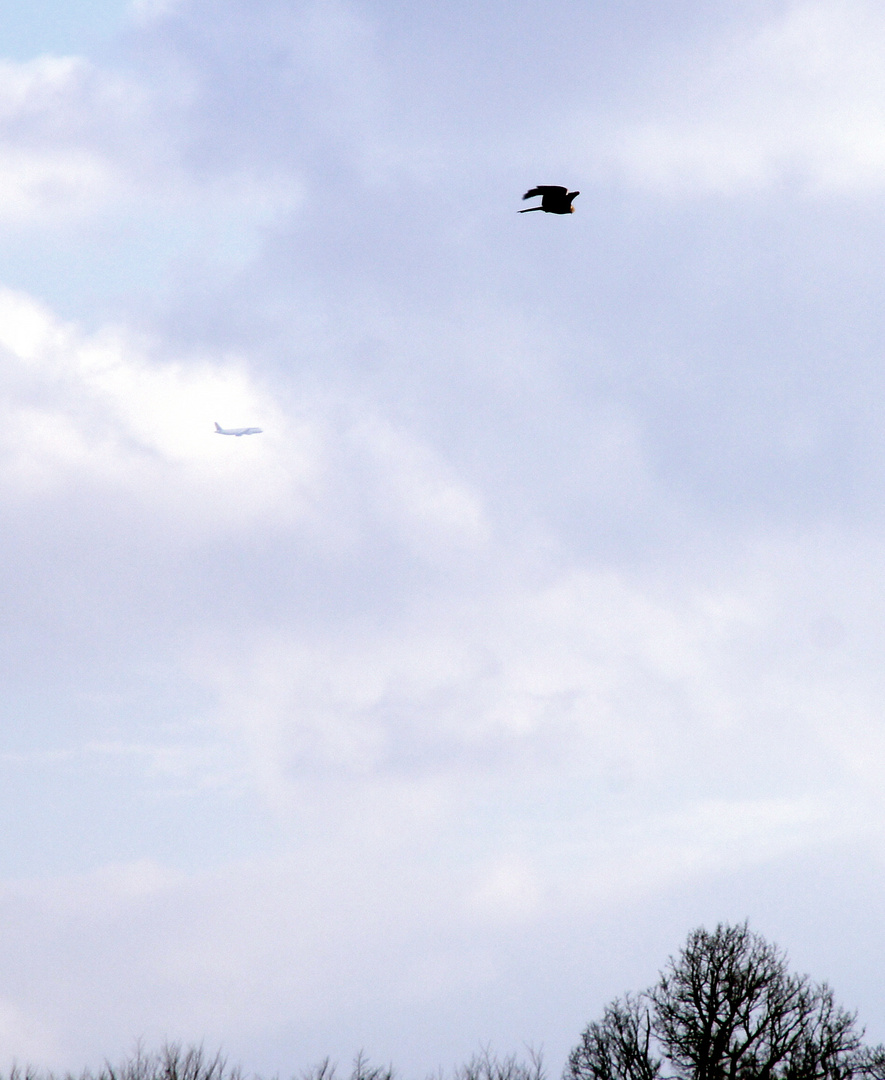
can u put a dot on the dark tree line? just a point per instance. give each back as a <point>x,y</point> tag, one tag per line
<point>726,1008</point>
<point>175,1062</point>
<point>172,1062</point>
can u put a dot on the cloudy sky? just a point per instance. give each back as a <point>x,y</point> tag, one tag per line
<point>545,621</point>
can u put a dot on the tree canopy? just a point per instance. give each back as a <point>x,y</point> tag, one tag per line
<point>726,1008</point>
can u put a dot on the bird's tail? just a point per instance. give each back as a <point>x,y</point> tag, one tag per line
<point>529,209</point>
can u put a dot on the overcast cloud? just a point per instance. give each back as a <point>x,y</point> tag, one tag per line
<point>545,619</point>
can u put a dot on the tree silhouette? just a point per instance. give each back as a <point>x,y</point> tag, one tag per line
<point>726,1008</point>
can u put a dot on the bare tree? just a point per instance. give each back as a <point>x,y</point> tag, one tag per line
<point>726,1008</point>
<point>488,1066</point>
<point>361,1070</point>
<point>618,1047</point>
<point>172,1062</point>
<point>324,1071</point>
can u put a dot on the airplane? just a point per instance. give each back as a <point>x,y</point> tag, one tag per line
<point>219,430</point>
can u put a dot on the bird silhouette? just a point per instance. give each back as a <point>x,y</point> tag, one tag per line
<point>554,200</point>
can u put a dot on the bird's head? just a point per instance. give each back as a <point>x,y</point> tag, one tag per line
<point>571,209</point>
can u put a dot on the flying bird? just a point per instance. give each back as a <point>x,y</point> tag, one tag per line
<point>554,200</point>
<point>219,430</point>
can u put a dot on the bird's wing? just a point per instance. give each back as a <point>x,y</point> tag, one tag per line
<point>546,189</point>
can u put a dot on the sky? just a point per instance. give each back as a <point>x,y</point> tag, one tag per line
<point>544,622</point>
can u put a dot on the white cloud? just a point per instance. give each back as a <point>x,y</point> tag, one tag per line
<point>800,101</point>
<point>701,840</point>
<point>27,1037</point>
<point>99,408</point>
<point>83,146</point>
<point>50,172</point>
<point>41,186</point>
<point>619,685</point>
<point>414,491</point>
<point>508,890</point>
<point>144,11</point>
<point>104,409</point>
<point>39,87</point>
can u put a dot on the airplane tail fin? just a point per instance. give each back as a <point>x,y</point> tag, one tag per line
<point>217,428</point>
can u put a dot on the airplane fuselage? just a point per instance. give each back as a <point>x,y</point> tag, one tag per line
<point>219,430</point>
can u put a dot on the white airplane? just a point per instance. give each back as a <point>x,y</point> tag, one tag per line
<point>219,430</point>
